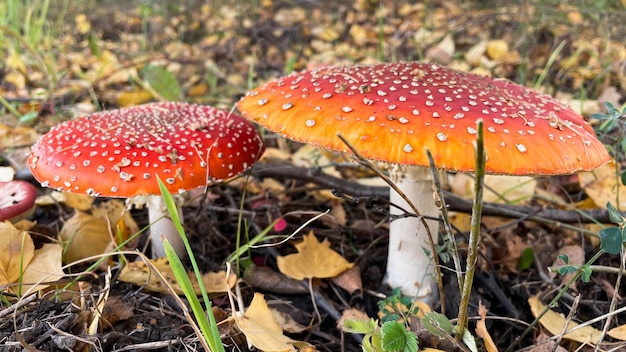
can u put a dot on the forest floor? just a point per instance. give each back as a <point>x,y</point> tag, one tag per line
<point>82,57</point>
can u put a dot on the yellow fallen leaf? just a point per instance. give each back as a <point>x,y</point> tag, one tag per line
<point>261,329</point>
<point>78,201</point>
<point>601,185</point>
<point>554,323</point>
<point>87,235</point>
<point>499,188</point>
<point>313,260</point>
<point>496,49</point>
<point>16,252</point>
<point>481,329</point>
<point>46,266</point>
<point>133,98</point>
<point>139,273</point>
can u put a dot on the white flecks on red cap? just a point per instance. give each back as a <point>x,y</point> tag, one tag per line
<point>394,111</point>
<point>119,153</point>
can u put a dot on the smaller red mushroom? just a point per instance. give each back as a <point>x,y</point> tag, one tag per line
<point>18,198</point>
<point>120,153</point>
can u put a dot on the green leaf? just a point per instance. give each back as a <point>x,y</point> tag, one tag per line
<point>526,260</point>
<point>397,338</point>
<point>437,322</point>
<point>162,81</point>
<point>586,273</point>
<point>28,117</point>
<point>611,239</point>
<point>623,175</point>
<point>614,214</point>
<point>564,258</point>
<point>469,341</point>
<point>359,326</point>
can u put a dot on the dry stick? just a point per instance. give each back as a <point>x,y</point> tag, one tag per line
<point>365,162</point>
<point>443,208</point>
<point>472,250</point>
<point>554,217</point>
<point>613,304</point>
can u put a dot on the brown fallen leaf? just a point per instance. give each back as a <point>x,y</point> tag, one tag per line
<point>575,256</point>
<point>139,273</point>
<point>349,280</point>
<point>313,260</point>
<point>541,345</point>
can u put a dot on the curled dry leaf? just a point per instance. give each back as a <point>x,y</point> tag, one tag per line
<point>481,329</point>
<point>139,273</point>
<point>313,260</point>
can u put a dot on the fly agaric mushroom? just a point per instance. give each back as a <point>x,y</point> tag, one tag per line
<point>120,153</point>
<point>18,198</point>
<point>393,112</point>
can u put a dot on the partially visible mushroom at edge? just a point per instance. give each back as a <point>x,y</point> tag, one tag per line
<point>17,199</point>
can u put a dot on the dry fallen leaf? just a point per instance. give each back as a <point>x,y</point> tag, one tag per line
<point>19,261</point>
<point>16,251</point>
<point>481,329</point>
<point>554,323</point>
<point>601,185</point>
<point>87,235</point>
<point>575,256</point>
<point>349,280</point>
<point>541,345</point>
<point>140,274</point>
<point>261,329</point>
<point>498,188</point>
<point>46,266</point>
<point>313,260</point>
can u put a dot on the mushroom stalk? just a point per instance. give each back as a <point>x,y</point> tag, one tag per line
<point>410,264</point>
<point>161,224</point>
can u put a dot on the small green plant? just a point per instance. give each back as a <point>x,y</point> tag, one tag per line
<point>204,315</point>
<point>394,334</point>
<point>614,119</point>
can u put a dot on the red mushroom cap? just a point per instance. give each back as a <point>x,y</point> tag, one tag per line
<point>17,198</point>
<point>393,111</point>
<point>119,153</point>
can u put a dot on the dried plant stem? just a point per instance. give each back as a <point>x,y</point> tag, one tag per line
<point>368,164</point>
<point>472,251</point>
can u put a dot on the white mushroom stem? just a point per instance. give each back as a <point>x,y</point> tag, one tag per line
<point>161,224</point>
<point>408,264</point>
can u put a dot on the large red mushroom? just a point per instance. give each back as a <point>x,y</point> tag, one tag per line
<point>120,153</point>
<point>393,112</point>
